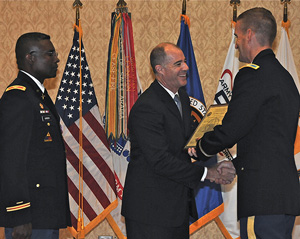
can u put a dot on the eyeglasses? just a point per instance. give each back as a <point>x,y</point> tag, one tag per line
<point>48,53</point>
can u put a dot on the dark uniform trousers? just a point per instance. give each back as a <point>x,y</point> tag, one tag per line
<point>36,233</point>
<point>267,227</point>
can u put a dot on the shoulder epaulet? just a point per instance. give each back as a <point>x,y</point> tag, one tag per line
<point>253,66</point>
<point>16,87</point>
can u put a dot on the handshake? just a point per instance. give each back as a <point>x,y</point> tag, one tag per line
<point>220,173</point>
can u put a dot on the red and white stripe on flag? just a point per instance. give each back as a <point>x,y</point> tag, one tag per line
<point>99,196</point>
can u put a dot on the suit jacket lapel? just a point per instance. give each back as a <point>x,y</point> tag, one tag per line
<point>166,99</point>
<point>186,112</point>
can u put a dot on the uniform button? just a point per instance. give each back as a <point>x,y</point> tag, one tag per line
<point>48,124</point>
<point>242,168</point>
<point>37,185</point>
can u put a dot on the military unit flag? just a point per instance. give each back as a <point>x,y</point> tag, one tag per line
<point>122,91</point>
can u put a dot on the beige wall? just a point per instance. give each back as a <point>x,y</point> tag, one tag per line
<point>153,21</point>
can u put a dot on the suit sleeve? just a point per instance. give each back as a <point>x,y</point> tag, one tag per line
<point>16,119</point>
<point>247,97</point>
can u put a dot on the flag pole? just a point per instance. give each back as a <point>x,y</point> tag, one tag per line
<point>285,14</point>
<point>285,22</point>
<point>77,4</point>
<point>80,223</point>
<point>184,7</point>
<point>183,14</point>
<point>234,3</point>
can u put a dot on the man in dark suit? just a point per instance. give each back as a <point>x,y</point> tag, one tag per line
<point>158,192</point>
<point>33,193</point>
<point>262,119</point>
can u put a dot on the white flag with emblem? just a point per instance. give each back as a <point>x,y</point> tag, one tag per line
<point>223,96</point>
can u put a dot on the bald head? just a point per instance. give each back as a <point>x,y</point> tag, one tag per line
<point>158,55</point>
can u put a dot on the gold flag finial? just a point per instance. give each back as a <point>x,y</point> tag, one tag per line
<point>234,3</point>
<point>77,4</point>
<point>121,7</point>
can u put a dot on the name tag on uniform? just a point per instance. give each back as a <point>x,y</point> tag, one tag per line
<point>46,118</point>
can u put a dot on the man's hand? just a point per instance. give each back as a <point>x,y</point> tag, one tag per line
<point>192,152</point>
<point>227,172</point>
<point>22,231</point>
<point>221,173</point>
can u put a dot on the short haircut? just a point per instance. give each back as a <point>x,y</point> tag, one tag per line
<point>262,22</point>
<point>158,54</point>
<point>24,44</point>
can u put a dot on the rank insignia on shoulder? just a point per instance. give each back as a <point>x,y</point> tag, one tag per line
<point>251,65</point>
<point>48,138</point>
<point>16,87</point>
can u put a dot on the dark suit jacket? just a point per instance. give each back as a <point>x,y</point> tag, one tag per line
<point>32,157</point>
<point>262,119</point>
<point>160,173</point>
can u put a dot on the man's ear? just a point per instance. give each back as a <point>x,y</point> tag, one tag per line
<point>249,34</point>
<point>159,68</point>
<point>29,58</point>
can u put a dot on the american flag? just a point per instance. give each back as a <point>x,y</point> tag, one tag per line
<point>96,195</point>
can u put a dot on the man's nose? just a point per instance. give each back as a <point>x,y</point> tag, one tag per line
<point>185,66</point>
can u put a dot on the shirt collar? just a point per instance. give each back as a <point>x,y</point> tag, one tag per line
<point>170,92</point>
<point>38,83</point>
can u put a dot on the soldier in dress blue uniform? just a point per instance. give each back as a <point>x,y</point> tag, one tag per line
<point>262,119</point>
<point>33,181</point>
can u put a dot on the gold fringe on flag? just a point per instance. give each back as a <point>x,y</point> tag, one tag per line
<point>80,225</point>
<point>232,24</point>
<point>286,25</point>
<point>186,19</point>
